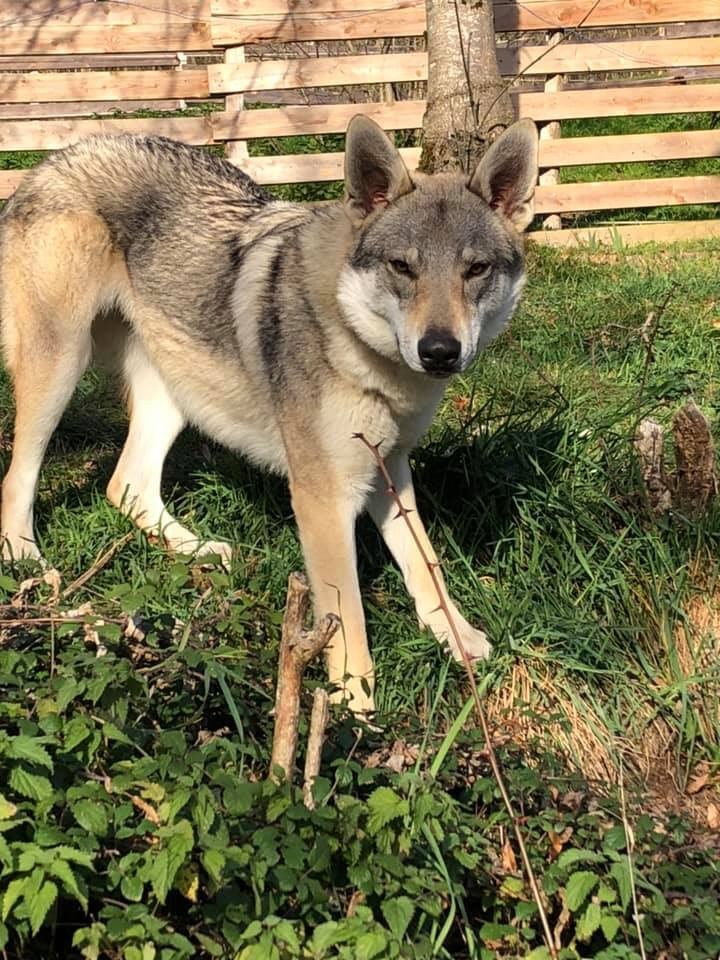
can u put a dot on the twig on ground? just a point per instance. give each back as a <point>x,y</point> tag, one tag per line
<point>98,564</point>
<point>297,648</point>
<point>480,713</point>
<point>316,737</point>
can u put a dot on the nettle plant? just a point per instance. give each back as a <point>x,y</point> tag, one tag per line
<point>137,822</point>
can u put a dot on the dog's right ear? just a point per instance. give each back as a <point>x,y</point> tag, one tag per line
<point>375,174</point>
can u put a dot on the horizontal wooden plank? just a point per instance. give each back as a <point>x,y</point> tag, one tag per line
<point>316,72</point>
<point>330,118</point>
<point>659,231</point>
<point>352,25</point>
<point>54,134</point>
<point>39,87</point>
<point>408,114</point>
<point>630,148</point>
<point>619,194</point>
<point>318,167</point>
<point>90,61</point>
<point>245,21</point>
<point>113,26</point>
<point>620,101</point>
<point>53,39</point>
<point>292,74</point>
<point>84,108</point>
<point>81,13</point>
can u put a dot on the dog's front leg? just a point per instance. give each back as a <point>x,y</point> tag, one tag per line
<point>394,528</point>
<point>326,523</point>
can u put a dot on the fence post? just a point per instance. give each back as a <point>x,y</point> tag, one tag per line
<point>236,151</point>
<point>551,131</point>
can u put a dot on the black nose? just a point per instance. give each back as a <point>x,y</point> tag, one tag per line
<point>439,351</point>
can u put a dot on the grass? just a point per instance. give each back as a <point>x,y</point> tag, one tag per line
<point>529,486</point>
<point>528,482</point>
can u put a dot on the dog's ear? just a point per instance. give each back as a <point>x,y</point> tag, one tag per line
<point>506,176</point>
<point>375,174</point>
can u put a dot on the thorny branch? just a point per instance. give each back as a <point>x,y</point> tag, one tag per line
<point>480,713</point>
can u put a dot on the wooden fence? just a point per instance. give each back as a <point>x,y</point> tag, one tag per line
<point>67,67</point>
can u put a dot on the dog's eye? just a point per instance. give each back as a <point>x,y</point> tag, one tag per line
<point>477,269</point>
<point>402,267</point>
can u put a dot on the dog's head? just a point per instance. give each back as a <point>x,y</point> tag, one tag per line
<point>438,266</point>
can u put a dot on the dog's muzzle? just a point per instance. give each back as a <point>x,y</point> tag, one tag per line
<point>439,352</point>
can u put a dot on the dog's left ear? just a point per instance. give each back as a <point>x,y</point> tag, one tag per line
<point>375,174</point>
<point>506,176</point>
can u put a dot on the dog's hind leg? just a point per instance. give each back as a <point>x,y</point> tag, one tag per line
<point>47,345</point>
<point>155,422</point>
<point>404,547</point>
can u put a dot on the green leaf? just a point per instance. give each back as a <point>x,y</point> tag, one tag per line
<point>568,857</point>
<point>238,799</point>
<point>111,732</point>
<point>11,896</point>
<point>67,692</point>
<point>620,872</point>
<point>398,913</point>
<point>132,888</point>
<point>211,947</point>
<point>61,871</point>
<point>589,922</point>
<point>370,945</point>
<point>28,748</point>
<point>160,877</point>
<point>214,861</point>
<point>7,809</point>
<point>253,929</point>
<point>73,855</point>
<point>324,936</point>
<point>91,816</point>
<point>40,904</point>
<point>492,932</point>
<point>75,731</point>
<point>31,785</point>
<point>385,805</point>
<point>578,887</point>
<point>285,932</point>
<point>178,840</point>
<point>609,926</point>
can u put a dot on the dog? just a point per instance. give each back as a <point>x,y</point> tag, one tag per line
<point>280,330</point>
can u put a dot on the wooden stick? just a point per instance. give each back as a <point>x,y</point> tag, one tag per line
<point>297,648</point>
<point>316,738</point>
<point>99,563</point>
<point>694,460</point>
<point>649,446</point>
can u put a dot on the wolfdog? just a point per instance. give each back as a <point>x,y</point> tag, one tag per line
<point>280,330</point>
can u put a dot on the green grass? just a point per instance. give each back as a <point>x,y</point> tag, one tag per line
<point>528,483</point>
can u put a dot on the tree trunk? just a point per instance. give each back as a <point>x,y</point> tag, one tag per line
<point>468,103</point>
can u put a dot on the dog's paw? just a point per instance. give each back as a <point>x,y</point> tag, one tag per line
<point>473,642</point>
<point>357,694</point>
<point>21,548</point>
<point>215,548</point>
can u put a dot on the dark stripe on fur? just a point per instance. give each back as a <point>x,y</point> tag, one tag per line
<point>270,332</point>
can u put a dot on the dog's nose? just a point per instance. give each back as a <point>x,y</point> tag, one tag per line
<point>439,351</point>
